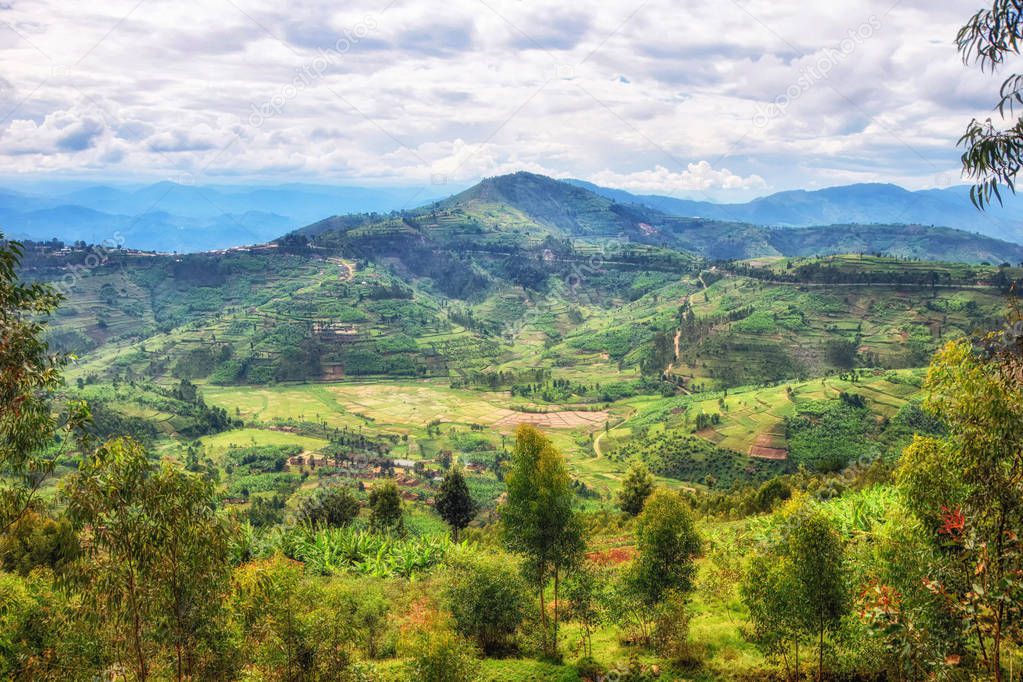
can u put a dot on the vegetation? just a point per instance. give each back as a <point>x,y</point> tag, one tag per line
<point>454,502</point>
<point>539,522</point>
<point>636,488</point>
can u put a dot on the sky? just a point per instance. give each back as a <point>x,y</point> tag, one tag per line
<point>722,100</point>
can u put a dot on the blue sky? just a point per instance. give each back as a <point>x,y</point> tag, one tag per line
<point>724,100</point>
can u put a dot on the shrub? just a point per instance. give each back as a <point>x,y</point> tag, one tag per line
<point>671,630</point>
<point>589,669</point>
<point>440,655</point>
<point>487,597</point>
<point>36,540</point>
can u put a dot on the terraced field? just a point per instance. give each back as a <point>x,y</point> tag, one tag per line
<point>752,419</point>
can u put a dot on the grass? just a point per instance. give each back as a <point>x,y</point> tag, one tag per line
<point>217,445</point>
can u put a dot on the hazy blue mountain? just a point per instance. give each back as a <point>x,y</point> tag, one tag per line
<point>870,203</point>
<point>167,216</point>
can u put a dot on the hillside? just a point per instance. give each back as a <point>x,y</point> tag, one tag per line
<point>521,272</point>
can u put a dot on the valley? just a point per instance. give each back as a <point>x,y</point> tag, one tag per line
<point>738,365</point>
<point>520,301</point>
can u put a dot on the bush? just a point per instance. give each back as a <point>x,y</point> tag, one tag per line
<point>487,597</point>
<point>442,656</point>
<point>293,627</point>
<point>36,540</point>
<point>671,631</point>
<point>589,669</point>
<point>335,507</point>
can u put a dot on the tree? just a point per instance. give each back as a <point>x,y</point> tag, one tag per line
<point>334,507</point>
<point>585,598</point>
<point>636,488</point>
<point>155,566</point>
<point>295,629</point>
<point>440,655</point>
<point>817,561</point>
<point>386,512</point>
<point>668,546</point>
<point>994,155</point>
<point>538,520</point>
<point>454,502</point>
<point>771,597</point>
<point>965,487</point>
<point>795,588</point>
<point>30,375</point>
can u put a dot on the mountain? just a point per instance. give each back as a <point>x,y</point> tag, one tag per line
<point>523,212</point>
<point>169,216</point>
<point>872,203</point>
<point>520,272</point>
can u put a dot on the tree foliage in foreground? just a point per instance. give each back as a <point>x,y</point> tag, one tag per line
<point>993,155</point>
<point>966,491</point>
<point>156,562</point>
<point>31,432</point>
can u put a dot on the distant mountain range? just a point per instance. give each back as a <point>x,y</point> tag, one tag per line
<point>173,217</point>
<point>167,216</point>
<point>865,204</point>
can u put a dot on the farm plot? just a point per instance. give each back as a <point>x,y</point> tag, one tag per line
<point>217,445</point>
<point>752,420</point>
<point>403,406</point>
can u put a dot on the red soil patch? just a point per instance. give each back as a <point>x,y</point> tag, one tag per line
<point>612,557</point>
<point>763,448</point>
<point>562,419</point>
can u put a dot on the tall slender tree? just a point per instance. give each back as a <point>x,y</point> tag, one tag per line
<point>965,488</point>
<point>156,565</point>
<point>538,520</point>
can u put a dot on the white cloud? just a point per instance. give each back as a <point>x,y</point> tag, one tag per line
<point>698,177</point>
<point>605,90</point>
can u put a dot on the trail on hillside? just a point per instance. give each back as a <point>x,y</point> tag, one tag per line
<point>347,269</point>
<point>678,336</point>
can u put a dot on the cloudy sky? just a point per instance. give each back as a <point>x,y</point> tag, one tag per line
<point>725,99</point>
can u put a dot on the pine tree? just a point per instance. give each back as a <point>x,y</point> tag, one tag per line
<point>454,502</point>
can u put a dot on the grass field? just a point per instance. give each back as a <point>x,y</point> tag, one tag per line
<point>396,406</point>
<point>220,443</point>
